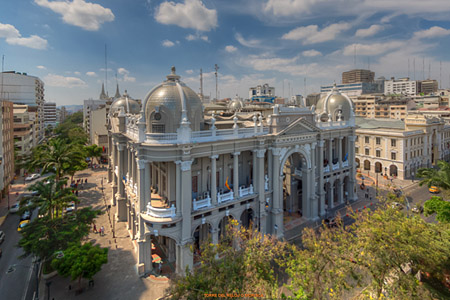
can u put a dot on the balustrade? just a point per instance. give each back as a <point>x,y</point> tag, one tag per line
<point>225,197</point>
<point>161,212</point>
<point>201,203</point>
<point>243,191</point>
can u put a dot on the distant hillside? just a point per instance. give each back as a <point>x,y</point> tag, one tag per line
<point>72,108</point>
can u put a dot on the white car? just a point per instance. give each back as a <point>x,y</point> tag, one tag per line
<point>71,207</point>
<point>32,177</point>
<point>14,208</point>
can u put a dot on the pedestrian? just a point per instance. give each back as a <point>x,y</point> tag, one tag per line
<point>160,267</point>
<point>76,193</point>
<point>102,230</point>
<point>85,181</point>
<point>95,228</point>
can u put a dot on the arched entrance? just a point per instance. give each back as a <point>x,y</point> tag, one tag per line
<point>202,234</point>
<point>223,224</point>
<point>357,163</point>
<point>247,218</point>
<point>367,165</point>
<point>163,254</point>
<point>378,167</point>
<point>393,170</point>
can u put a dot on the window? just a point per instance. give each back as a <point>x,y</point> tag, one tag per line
<point>378,153</point>
<point>158,128</point>
<point>356,150</point>
<point>406,143</point>
<point>378,141</point>
<point>357,138</point>
<point>393,155</point>
<point>367,151</point>
<point>406,156</point>
<point>366,139</point>
<point>393,142</point>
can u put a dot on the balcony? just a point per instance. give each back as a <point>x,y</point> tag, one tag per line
<point>326,169</point>
<point>335,167</point>
<point>201,203</point>
<point>345,164</point>
<point>160,212</point>
<point>243,191</point>
<point>224,197</point>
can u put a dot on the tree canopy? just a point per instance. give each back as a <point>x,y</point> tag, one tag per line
<point>440,207</point>
<point>438,177</point>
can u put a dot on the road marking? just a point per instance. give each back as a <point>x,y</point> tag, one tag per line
<point>28,283</point>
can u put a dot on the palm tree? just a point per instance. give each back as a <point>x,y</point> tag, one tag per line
<point>93,151</point>
<point>438,177</point>
<point>53,197</point>
<point>55,156</point>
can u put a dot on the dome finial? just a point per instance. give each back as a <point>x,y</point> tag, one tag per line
<point>173,69</point>
<point>173,76</point>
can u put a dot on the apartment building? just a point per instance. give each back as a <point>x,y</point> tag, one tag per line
<point>50,114</point>
<point>358,75</point>
<point>7,146</point>
<point>401,86</point>
<point>23,133</point>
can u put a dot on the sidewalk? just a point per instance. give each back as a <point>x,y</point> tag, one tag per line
<point>15,194</point>
<point>118,278</point>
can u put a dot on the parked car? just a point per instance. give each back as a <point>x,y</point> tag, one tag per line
<point>32,177</point>
<point>434,189</point>
<point>15,208</point>
<point>22,225</point>
<point>398,193</point>
<point>26,215</point>
<point>397,205</point>
<point>31,193</point>
<point>71,207</point>
<point>418,209</point>
<point>2,236</point>
<point>330,223</point>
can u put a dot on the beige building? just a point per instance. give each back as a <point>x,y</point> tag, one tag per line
<point>179,175</point>
<point>23,132</point>
<point>358,75</point>
<point>383,107</point>
<point>399,148</point>
<point>7,146</point>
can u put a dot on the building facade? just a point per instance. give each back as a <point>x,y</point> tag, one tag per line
<point>23,133</point>
<point>402,86</point>
<point>21,88</point>
<point>428,87</point>
<point>50,114</point>
<point>7,145</point>
<point>178,179</point>
<point>262,93</point>
<point>358,75</point>
<point>354,89</point>
<point>399,148</point>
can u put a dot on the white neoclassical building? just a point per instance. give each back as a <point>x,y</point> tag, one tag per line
<point>178,175</point>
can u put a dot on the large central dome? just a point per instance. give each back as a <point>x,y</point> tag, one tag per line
<point>171,103</point>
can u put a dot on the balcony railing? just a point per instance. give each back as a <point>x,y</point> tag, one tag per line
<point>327,168</point>
<point>345,164</point>
<point>225,197</point>
<point>335,167</point>
<point>161,212</point>
<point>203,203</point>
<point>298,172</point>
<point>245,191</point>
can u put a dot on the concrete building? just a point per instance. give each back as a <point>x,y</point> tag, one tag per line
<point>50,114</point>
<point>399,148</point>
<point>429,86</point>
<point>262,93</point>
<point>355,89</point>
<point>178,175</point>
<point>21,88</point>
<point>7,162</point>
<point>23,133</point>
<point>402,86</point>
<point>312,99</point>
<point>358,75</point>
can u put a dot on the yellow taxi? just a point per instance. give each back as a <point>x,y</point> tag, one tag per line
<point>434,189</point>
<point>22,225</point>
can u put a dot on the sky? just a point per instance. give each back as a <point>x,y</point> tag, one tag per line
<point>293,45</point>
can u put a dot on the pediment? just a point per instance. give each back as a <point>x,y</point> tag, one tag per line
<point>299,126</point>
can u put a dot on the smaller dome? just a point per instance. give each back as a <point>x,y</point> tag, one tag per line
<point>130,106</point>
<point>236,105</point>
<point>336,105</point>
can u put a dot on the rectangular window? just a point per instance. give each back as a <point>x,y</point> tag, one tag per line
<point>393,142</point>
<point>366,139</point>
<point>356,150</point>
<point>194,184</point>
<point>378,153</point>
<point>393,155</point>
<point>367,151</point>
<point>406,156</point>
<point>378,141</point>
<point>406,143</point>
<point>158,128</point>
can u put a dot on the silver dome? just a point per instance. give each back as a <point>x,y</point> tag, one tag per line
<point>236,105</point>
<point>337,105</point>
<point>130,106</point>
<point>165,107</point>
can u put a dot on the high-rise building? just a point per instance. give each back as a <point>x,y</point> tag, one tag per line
<point>50,114</point>
<point>429,86</point>
<point>7,145</point>
<point>401,86</point>
<point>21,88</point>
<point>358,75</point>
<point>23,133</point>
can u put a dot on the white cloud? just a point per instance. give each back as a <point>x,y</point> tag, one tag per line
<point>189,71</point>
<point>63,81</point>
<point>230,48</point>
<point>167,43</point>
<point>77,73</point>
<point>41,67</point>
<point>126,75</point>
<point>372,30</point>
<point>91,74</point>
<point>251,43</point>
<point>311,53</point>
<point>191,37</point>
<point>190,14</point>
<point>432,32</point>
<point>12,36</point>
<point>312,35</point>
<point>372,49</point>
<point>89,16</point>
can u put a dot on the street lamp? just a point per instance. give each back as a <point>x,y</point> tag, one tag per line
<point>346,197</point>
<point>412,173</point>
<point>385,171</point>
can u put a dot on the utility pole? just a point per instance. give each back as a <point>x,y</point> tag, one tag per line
<point>216,67</point>
<point>201,84</point>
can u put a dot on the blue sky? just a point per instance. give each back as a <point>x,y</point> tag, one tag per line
<point>280,42</point>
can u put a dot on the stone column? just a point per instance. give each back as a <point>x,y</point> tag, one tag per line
<point>331,198</point>
<point>148,180</point>
<point>130,160</point>
<point>306,192</point>
<point>110,163</point>
<point>236,174</point>
<point>114,175</point>
<point>215,236</point>
<point>341,192</point>
<point>178,187</point>
<point>313,183</point>
<point>141,195</point>
<point>277,201</point>
<point>321,181</point>
<point>214,179</point>
<point>120,197</point>
<point>330,153</point>
<point>352,196</point>
<point>258,186</point>
<point>340,151</point>
<point>186,210</point>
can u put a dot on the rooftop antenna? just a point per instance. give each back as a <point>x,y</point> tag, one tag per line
<point>354,57</point>
<point>408,67</point>
<point>414,64</point>
<point>3,63</point>
<point>423,68</point>
<point>429,70</point>
<point>216,67</point>
<point>440,74</point>
<point>201,84</point>
<point>106,72</point>
<point>368,63</point>
<point>289,89</point>
<point>304,85</point>
<point>283,89</point>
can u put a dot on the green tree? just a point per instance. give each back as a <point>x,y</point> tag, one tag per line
<point>93,151</point>
<point>77,135</point>
<point>45,236</point>
<point>439,177</point>
<point>55,156</point>
<point>53,197</point>
<point>440,207</point>
<point>81,261</point>
<point>243,263</point>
